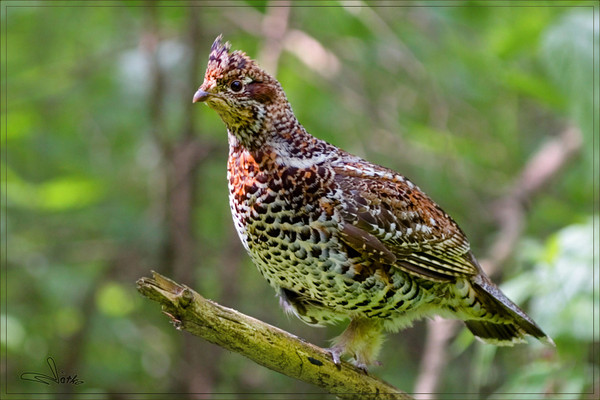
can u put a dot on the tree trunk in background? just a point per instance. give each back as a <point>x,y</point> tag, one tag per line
<point>193,371</point>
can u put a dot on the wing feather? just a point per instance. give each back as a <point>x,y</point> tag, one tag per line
<point>389,219</point>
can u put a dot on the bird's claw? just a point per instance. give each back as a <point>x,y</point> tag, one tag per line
<point>362,367</point>
<point>335,354</point>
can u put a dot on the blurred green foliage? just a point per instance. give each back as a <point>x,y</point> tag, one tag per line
<point>457,98</point>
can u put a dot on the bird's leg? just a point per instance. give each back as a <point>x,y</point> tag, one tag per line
<point>362,339</point>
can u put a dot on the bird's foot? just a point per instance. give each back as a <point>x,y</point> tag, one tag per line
<point>336,354</point>
<point>362,366</point>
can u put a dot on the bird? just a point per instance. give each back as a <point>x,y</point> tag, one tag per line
<point>338,237</point>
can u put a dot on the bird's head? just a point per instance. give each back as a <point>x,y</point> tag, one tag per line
<point>240,92</point>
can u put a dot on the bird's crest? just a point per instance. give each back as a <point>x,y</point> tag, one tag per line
<point>223,64</point>
<point>218,60</point>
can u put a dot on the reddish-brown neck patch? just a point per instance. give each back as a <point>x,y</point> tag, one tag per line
<point>248,171</point>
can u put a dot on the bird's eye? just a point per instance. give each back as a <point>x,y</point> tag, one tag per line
<point>236,86</point>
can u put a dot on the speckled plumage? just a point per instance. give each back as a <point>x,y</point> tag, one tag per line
<point>337,236</point>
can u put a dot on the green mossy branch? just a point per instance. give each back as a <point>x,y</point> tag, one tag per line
<point>264,344</point>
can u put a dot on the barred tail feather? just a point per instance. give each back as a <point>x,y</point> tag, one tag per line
<point>496,334</point>
<point>503,334</point>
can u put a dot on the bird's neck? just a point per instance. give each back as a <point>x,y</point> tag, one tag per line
<point>284,140</point>
<point>256,126</point>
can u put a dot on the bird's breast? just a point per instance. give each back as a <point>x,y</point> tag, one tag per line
<point>284,218</point>
<point>261,187</point>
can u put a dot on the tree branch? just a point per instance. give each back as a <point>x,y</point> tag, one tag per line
<point>264,344</point>
<point>541,169</point>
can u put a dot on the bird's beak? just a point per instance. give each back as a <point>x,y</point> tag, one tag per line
<point>200,95</point>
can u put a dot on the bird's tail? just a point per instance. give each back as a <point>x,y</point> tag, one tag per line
<point>517,325</point>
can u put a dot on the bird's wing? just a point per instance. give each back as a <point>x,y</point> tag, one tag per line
<point>389,219</point>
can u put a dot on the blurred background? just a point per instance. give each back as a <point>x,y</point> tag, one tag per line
<point>109,172</point>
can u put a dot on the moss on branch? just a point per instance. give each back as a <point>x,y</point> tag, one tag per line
<point>266,345</point>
